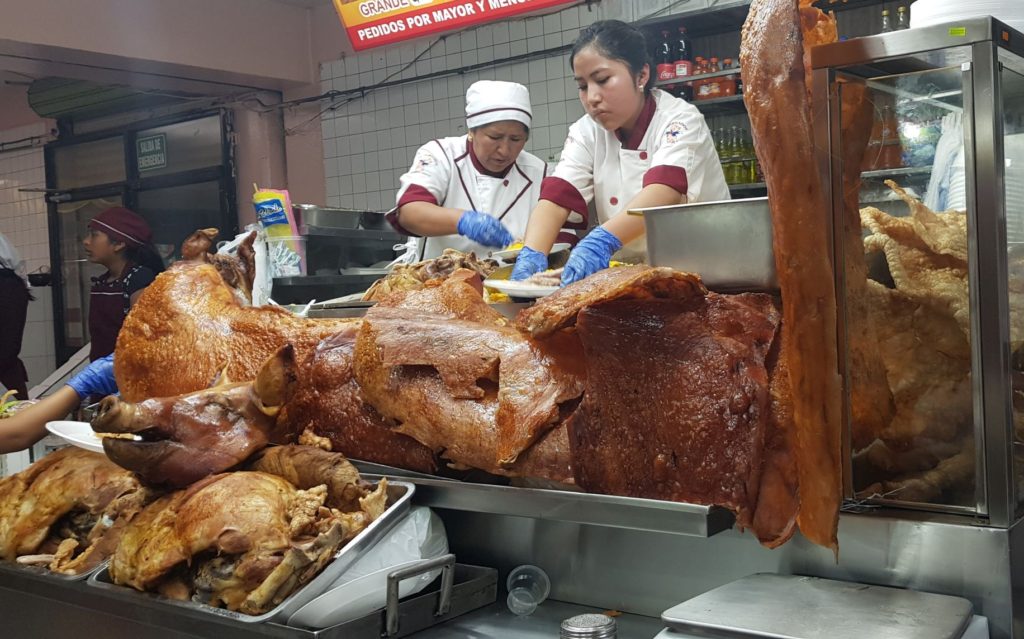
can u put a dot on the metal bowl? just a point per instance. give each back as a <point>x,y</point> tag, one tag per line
<point>728,243</point>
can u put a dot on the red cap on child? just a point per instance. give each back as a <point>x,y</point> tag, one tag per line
<point>124,225</point>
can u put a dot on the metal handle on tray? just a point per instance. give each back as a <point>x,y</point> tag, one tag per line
<point>447,565</point>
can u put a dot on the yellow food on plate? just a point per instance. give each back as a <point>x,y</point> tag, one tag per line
<point>514,246</point>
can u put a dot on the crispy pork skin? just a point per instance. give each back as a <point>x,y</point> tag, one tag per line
<point>560,309</point>
<point>777,98</point>
<point>677,399</point>
<point>480,393</point>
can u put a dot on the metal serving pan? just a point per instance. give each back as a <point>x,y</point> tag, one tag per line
<point>337,218</point>
<point>727,243</point>
<point>49,574</point>
<point>399,500</point>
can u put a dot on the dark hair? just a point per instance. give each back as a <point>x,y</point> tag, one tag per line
<point>145,255</point>
<point>616,40</point>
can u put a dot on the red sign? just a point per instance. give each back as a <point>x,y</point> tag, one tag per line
<point>374,23</point>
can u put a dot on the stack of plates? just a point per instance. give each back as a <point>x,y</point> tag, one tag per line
<point>924,13</point>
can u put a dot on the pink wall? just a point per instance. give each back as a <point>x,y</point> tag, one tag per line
<point>258,43</point>
<point>14,109</point>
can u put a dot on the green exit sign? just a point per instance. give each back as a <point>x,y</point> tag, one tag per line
<point>151,152</point>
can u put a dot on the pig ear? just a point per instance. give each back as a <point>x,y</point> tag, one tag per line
<point>275,380</point>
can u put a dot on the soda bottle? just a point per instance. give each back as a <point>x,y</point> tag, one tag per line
<point>684,64</point>
<point>735,175</point>
<point>666,65</point>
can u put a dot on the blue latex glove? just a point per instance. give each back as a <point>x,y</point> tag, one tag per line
<point>95,379</point>
<point>592,254</point>
<point>528,263</point>
<point>484,229</point>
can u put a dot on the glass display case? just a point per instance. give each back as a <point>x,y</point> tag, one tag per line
<point>921,136</point>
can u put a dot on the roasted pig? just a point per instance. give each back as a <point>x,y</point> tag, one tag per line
<point>179,440</point>
<point>246,540</point>
<point>67,511</point>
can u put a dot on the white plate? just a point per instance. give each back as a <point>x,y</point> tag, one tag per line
<point>77,434</point>
<point>520,289</point>
<point>351,600</point>
<point>510,254</point>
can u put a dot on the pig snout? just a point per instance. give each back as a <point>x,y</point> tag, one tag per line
<point>113,416</point>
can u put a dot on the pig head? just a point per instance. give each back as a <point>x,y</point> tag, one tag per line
<point>175,441</point>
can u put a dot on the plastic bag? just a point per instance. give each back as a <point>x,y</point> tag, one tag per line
<point>262,280</point>
<point>420,535</point>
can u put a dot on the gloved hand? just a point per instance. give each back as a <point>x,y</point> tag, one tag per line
<point>528,262</point>
<point>95,379</point>
<point>484,229</point>
<point>592,254</point>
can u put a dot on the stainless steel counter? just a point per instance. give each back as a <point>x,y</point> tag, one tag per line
<point>496,622</point>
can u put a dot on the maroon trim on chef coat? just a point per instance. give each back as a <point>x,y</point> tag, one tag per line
<point>563,193</point>
<point>415,193</point>
<point>640,128</point>
<point>522,192</point>
<point>671,176</point>
<point>480,167</point>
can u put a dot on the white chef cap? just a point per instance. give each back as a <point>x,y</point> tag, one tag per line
<point>494,101</point>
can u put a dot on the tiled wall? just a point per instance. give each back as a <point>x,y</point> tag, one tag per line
<point>23,221</point>
<point>369,142</point>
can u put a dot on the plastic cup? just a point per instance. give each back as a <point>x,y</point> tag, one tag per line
<point>528,586</point>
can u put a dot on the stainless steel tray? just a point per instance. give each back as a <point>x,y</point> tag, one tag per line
<point>727,243</point>
<point>794,607</point>
<point>322,216</point>
<point>399,500</point>
<point>49,574</point>
<point>612,511</point>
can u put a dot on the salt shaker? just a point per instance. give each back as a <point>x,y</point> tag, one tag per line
<point>589,626</point>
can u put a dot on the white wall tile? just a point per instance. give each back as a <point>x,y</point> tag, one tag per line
<point>23,221</point>
<point>375,138</point>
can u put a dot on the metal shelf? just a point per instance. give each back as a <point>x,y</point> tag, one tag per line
<point>752,186</point>
<point>718,106</point>
<point>371,235</point>
<point>581,508</point>
<point>695,78</point>
<point>904,171</point>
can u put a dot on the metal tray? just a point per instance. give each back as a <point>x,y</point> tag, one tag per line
<point>322,216</point>
<point>727,243</point>
<point>49,574</point>
<point>793,607</point>
<point>399,500</point>
<point>612,511</point>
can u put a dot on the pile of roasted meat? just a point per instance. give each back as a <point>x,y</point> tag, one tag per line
<point>244,540</point>
<point>635,381</point>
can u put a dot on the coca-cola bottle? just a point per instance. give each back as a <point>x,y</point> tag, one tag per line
<point>684,54</point>
<point>666,65</point>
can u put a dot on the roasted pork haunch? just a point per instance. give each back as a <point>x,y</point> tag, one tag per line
<point>247,540</point>
<point>180,440</point>
<point>67,511</point>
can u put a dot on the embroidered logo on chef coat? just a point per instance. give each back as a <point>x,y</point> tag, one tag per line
<point>674,132</point>
<point>422,160</point>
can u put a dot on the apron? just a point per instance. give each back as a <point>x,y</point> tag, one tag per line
<point>445,168</point>
<point>108,304</point>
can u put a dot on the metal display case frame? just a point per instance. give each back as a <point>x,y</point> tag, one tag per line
<point>996,496</point>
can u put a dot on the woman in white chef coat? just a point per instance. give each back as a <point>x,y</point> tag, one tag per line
<point>635,147</point>
<point>474,192</point>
